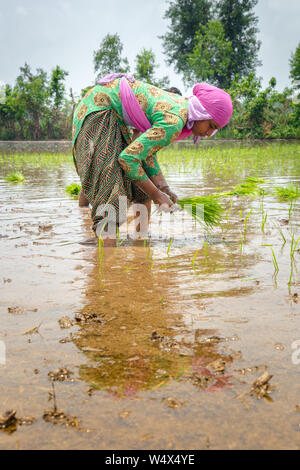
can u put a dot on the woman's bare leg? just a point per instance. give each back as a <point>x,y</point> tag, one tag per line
<point>83,202</point>
<point>147,204</point>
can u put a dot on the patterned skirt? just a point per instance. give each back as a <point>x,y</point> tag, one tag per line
<point>98,146</point>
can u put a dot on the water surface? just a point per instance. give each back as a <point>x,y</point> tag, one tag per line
<point>172,343</point>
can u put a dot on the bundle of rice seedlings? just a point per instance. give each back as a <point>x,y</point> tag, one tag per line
<point>212,209</point>
<point>288,193</point>
<point>73,189</point>
<point>15,178</point>
<point>245,189</point>
<point>253,180</point>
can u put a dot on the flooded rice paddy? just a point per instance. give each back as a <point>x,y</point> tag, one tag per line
<point>159,345</point>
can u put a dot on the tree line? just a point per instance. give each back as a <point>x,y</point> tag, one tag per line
<point>211,41</point>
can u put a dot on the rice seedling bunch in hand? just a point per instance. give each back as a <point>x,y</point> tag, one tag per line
<point>206,210</point>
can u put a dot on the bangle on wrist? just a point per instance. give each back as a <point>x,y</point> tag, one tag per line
<point>164,188</point>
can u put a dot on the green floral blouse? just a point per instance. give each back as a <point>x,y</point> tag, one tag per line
<point>167,112</point>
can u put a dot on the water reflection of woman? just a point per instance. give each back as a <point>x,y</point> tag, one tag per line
<point>111,164</point>
<point>130,335</point>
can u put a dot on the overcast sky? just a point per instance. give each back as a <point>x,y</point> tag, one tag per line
<point>46,33</point>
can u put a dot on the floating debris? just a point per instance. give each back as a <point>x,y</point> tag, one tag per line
<point>84,318</point>
<point>68,339</point>
<point>210,340</point>
<point>8,419</point>
<point>123,414</point>
<point>260,387</point>
<point>172,403</point>
<point>33,330</point>
<point>217,366</point>
<point>295,298</point>
<point>60,375</point>
<point>26,421</point>
<point>59,417</point>
<point>45,227</point>
<point>65,322</point>
<point>17,310</point>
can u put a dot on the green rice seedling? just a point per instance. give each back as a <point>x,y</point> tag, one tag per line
<point>194,259</point>
<point>118,237</point>
<point>294,245</point>
<point>15,178</point>
<point>205,248</point>
<point>263,222</point>
<point>276,268</point>
<point>169,247</point>
<point>101,243</point>
<point>73,189</point>
<point>229,210</point>
<point>292,206</point>
<point>245,223</point>
<point>242,243</point>
<point>212,209</point>
<point>288,193</point>
<point>282,235</point>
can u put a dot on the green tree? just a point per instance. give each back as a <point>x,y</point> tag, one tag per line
<point>211,56</point>
<point>108,58</point>
<point>146,67</point>
<point>57,87</point>
<point>240,28</point>
<point>185,16</point>
<point>295,77</point>
<point>36,108</point>
<point>32,99</point>
<point>295,66</point>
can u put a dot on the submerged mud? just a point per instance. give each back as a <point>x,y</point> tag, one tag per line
<point>150,347</point>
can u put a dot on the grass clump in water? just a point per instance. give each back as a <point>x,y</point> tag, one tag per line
<point>204,209</point>
<point>288,193</point>
<point>73,189</point>
<point>15,178</point>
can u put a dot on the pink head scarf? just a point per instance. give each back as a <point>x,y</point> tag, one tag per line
<point>215,101</point>
<point>207,102</point>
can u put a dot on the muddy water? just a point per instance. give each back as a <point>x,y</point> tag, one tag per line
<point>166,346</point>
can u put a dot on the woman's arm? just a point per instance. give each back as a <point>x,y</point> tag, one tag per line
<point>140,154</point>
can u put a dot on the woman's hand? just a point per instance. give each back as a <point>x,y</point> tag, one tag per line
<point>170,193</point>
<point>163,201</point>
